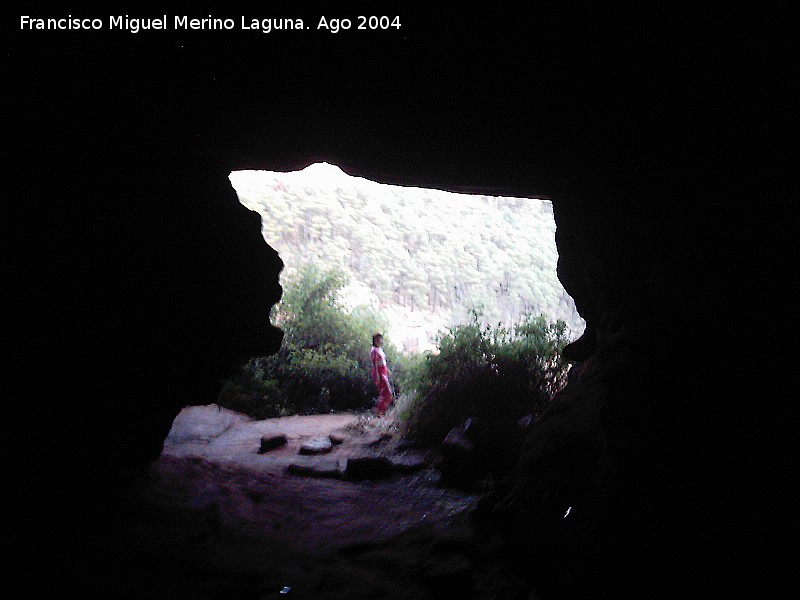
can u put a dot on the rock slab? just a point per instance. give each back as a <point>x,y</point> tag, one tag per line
<point>271,442</point>
<point>317,445</point>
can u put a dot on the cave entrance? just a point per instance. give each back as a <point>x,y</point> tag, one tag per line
<point>425,258</point>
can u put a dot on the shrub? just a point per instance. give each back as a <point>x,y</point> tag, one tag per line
<point>323,363</point>
<point>493,373</point>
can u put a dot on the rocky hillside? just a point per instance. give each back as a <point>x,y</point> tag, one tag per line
<point>426,258</point>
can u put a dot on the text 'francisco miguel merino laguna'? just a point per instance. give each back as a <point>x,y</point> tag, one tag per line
<point>135,25</point>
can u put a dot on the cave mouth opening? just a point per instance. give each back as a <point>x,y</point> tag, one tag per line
<point>426,259</point>
<point>438,254</point>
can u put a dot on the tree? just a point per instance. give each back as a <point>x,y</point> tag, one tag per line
<point>323,363</point>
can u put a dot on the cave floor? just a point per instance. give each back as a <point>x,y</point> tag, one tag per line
<point>215,518</point>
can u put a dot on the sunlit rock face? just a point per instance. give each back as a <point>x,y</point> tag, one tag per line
<point>425,258</point>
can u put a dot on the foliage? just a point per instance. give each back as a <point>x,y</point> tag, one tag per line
<point>323,363</point>
<point>487,372</point>
<point>405,370</point>
<point>428,252</point>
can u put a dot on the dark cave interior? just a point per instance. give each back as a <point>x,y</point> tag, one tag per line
<point>130,305</point>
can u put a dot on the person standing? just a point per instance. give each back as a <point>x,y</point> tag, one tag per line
<point>380,375</point>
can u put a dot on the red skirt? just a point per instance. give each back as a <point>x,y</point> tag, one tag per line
<point>384,391</point>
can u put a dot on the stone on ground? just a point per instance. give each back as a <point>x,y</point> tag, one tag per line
<point>408,463</point>
<point>317,445</point>
<point>317,468</point>
<point>271,442</point>
<point>337,437</point>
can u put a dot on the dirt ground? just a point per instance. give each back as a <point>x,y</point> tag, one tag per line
<point>220,519</point>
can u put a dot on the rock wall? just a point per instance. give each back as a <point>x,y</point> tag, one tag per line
<point>617,489</point>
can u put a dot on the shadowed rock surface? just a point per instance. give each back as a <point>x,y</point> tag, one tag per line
<point>138,282</point>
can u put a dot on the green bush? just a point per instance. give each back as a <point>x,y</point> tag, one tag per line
<point>493,373</point>
<point>249,393</point>
<point>405,369</point>
<point>323,363</point>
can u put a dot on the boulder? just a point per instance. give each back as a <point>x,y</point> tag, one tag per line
<point>481,449</point>
<point>271,442</point>
<point>461,463</point>
<point>317,445</point>
<point>337,437</point>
